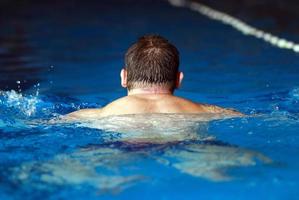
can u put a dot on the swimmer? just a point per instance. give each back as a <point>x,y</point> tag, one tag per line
<point>151,74</point>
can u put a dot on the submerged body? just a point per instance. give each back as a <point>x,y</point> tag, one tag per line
<point>150,103</point>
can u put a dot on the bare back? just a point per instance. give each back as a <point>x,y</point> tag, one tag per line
<point>147,103</point>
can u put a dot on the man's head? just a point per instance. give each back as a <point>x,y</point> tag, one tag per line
<point>151,62</point>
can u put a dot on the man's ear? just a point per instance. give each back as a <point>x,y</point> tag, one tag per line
<point>123,78</point>
<point>179,79</point>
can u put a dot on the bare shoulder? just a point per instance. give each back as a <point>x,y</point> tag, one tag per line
<point>124,105</point>
<point>207,108</point>
<point>153,104</point>
<point>84,113</point>
<point>112,108</point>
<point>218,109</point>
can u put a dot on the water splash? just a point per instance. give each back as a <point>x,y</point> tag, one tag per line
<point>22,104</point>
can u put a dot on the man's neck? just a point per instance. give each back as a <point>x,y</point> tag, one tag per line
<point>150,90</point>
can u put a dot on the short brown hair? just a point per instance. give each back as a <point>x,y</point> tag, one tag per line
<point>152,60</point>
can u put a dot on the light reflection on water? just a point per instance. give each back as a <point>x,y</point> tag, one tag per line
<point>103,153</point>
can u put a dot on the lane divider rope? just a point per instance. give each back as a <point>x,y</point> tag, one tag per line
<point>237,24</point>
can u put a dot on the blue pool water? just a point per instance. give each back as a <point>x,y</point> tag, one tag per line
<point>57,58</point>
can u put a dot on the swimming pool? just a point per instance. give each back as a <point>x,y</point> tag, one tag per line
<point>57,58</point>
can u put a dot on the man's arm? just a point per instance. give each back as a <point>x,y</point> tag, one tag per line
<point>217,109</point>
